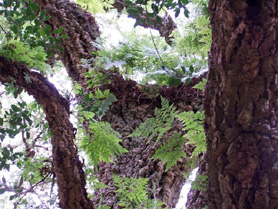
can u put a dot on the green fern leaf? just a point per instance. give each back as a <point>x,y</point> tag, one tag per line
<point>104,145</point>
<point>131,191</point>
<point>158,125</point>
<point>169,153</point>
<point>193,124</point>
<point>201,85</point>
<point>23,53</point>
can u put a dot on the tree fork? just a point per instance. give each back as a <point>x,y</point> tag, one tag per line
<point>241,105</point>
<point>77,25</point>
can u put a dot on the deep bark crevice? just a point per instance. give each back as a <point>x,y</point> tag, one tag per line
<point>241,105</point>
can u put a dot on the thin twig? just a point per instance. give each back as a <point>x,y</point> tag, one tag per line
<point>156,49</point>
<point>3,29</point>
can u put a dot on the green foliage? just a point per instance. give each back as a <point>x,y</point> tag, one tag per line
<point>104,145</point>
<point>131,192</point>
<point>33,169</point>
<point>92,179</point>
<point>197,38</point>
<point>98,102</point>
<point>27,24</point>
<point>14,120</point>
<point>201,85</point>
<point>32,57</point>
<point>156,8</point>
<point>193,124</point>
<point>158,125</point>
<point>95,6</point>
<point>8,157</point>
<point>171,151</point>
<point>200,183</point>
<point>138,55</point>
<point>94,77</point>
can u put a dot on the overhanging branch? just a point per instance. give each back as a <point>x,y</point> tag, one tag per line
<point>67,167</point>
<point>165,28</point>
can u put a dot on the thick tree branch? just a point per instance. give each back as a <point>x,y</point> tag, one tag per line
<point>126,114</point>
<point>80,27</point>
<point>165,28</point>
<point>67,167</point>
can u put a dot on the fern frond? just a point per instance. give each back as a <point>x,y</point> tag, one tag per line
<point>193,124</point>
<point>171,152</point>
<point>23,53</point>
<point>159,124</point>
<point>104,145</point>
<point>98,102</point>
<point>201,85</point>
<point>131,191</point>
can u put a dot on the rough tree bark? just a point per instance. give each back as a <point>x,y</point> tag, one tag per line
<point>78,24</point>
<point>67,167</point>
<point>241,105</point>
<point>124,115</point>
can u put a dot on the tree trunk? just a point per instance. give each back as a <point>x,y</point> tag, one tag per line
<point>241,105</point>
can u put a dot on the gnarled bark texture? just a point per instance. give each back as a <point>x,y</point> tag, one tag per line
<point>241,105</point>
<point>127,113</point>
<point>67,167</point>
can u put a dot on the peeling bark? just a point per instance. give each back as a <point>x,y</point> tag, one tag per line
<point>67,167</point>
<point>241,105</point>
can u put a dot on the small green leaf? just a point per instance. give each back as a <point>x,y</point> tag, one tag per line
<point>2,191</point>
<point>172,81</point>
<point>47,30</point>
<point>177,13</point>
<point>183,69</point>
<point>64,37</point>
<point>15,108</point>
<point>13,196</point>
<point>57,41</point>
<point>53,47</point>
<point>128,2</point>
<point>58,31</point>
<point>186,12</point>
<point>34,6</point>
<point>159,20</point>
<point>184,1</point>
<point>61,49</point>
<point>51,39</point>
<point>47,18</point>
